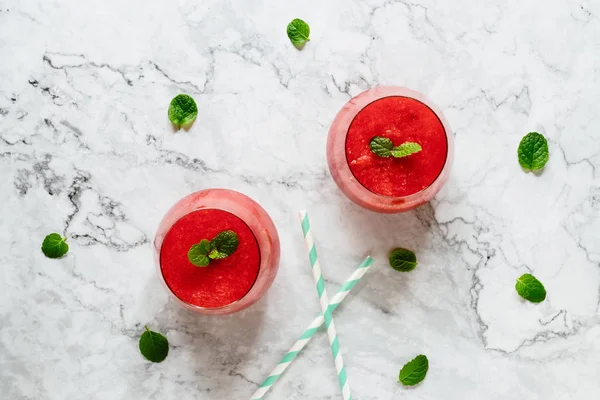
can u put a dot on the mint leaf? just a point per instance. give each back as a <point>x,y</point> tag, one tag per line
<point>198,253</point>
<point>414,371</point>
<point>154,346</point>
<point>381,146</point>
<point>298,31</point>
<point>530,288</point>
<point>182,110</point>
<point>533,151</point>
<point>54,246</point>
<point>204,246</point>
<point>403,260</point>
<point>406,149</point>
<point>223,245</point>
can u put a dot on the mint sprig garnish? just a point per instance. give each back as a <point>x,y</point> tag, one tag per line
<point>54,246</point>
<point>403,260</point>
<point>530,288</point>
<point>533,151</point>
<point>182,110</point>
<point>221,246</point>
<point>154,346</point>
<point>298,31</point>
<point>414,371</point>
<point>383,147</point>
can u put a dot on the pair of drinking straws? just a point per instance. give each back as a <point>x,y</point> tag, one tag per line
<point>326,317</point>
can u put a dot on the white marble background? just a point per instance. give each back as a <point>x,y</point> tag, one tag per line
<point>86,149</point>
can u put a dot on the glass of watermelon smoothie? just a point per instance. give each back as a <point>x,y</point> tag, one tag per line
<point>226,285</point>
<point>389,185</point>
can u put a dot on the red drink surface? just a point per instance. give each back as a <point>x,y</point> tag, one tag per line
<point>223,281</point>
<point>402,119</point>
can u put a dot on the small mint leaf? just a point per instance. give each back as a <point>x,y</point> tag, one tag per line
<point>54,246</point>
<point>406,149</point>
<point>198,253</point>
<point>533,151</point>
<point>530,288</point>
<point>154,346</point>
<point>216,255</point>
<point>204,247</point>
<point>381,146</point>
<point>223,245</point>
<point>403,260</point>
<point>200,261</point>
<point>298,31</point>
<point>182,110</point>
<point>414,371</point>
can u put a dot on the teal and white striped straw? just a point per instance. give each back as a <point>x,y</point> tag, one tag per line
<point>311,330</point>
<point>324,300</point>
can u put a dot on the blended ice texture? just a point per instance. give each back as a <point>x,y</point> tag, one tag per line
<point>223,281</point>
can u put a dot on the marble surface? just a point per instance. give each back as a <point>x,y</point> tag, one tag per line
<point>86,149</point>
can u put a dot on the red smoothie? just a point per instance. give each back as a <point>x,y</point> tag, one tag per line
<point>223,281</point>
<point>402,119</point>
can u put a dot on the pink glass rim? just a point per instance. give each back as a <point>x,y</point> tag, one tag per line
<point>253,215</point>
<point>338,163</point>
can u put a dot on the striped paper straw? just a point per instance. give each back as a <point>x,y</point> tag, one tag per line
<point>324,300</point>
<point>311,330</point>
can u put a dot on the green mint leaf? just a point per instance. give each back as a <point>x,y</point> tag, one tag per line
<point>533,151</point>
<point>403,260</point>
<point>182,110</point>
<point>54,246</point>
<point>154,346</point>
<point>414,371</point>
<point>381,146</point>
<point>406,149</point>
<point>530,288</point>
<point>223,245</point>
<point>216,255</point>
<point>196,257</point>
<point>198,253</point>
<point>298,31</point>
<point>204,246</point>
